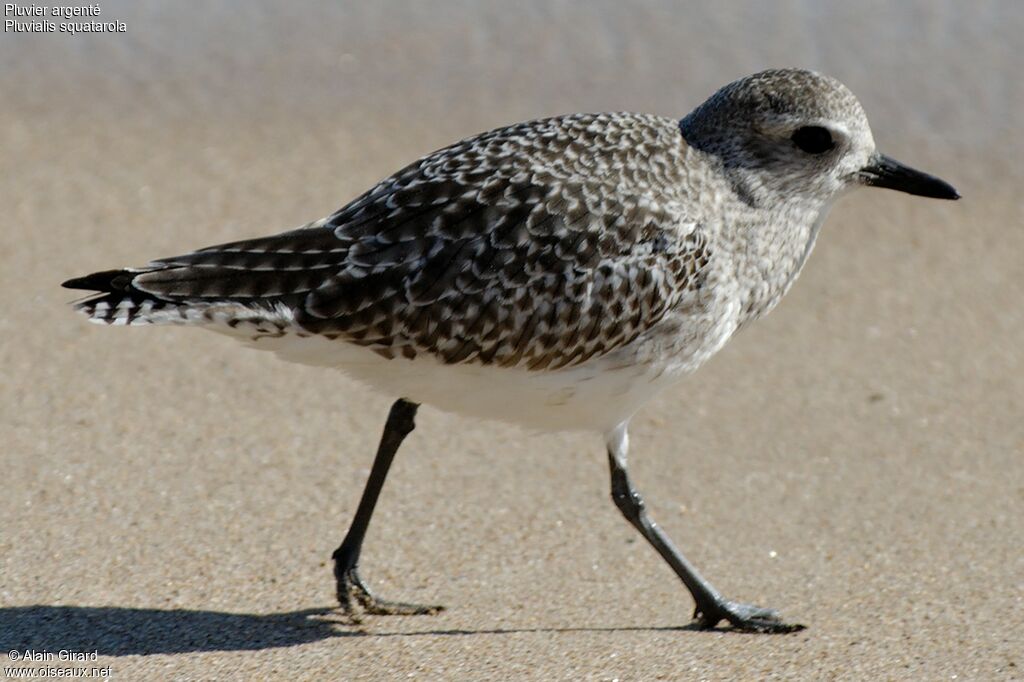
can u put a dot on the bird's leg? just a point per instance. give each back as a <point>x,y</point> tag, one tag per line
<point>711,607</point>
<point>351,589</point>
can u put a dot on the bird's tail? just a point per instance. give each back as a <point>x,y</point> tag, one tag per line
<point>117,302</point>
<point>255,280</point>
<point>162,293</point>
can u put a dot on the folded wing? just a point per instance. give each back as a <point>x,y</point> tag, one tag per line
<point>527,246</point>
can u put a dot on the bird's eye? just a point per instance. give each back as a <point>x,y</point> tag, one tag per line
<point>813,139</point>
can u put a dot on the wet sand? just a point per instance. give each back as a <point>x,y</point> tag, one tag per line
<point>171,500</point>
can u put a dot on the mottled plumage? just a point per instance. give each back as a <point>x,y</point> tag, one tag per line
<point>554,273</point>
<point>540,245</point>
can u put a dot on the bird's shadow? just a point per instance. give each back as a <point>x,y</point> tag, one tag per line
<point>118,631</point>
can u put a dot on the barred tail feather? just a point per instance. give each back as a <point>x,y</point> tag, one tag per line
<point>117,301</point>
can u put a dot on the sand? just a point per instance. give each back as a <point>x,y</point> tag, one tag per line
<point>171,500</point>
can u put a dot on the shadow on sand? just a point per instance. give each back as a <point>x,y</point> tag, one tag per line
<point>116,631</point>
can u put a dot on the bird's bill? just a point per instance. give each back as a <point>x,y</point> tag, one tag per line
<point>883,171</point>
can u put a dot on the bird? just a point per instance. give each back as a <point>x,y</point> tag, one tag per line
<point>556,274</point>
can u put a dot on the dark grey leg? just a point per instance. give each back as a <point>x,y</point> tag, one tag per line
<point>711,607</point>
<point>346,558</point>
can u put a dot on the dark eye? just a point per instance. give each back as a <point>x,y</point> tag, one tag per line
<point>813,139</point>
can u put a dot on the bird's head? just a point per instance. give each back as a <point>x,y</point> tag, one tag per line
<point>791,133</point>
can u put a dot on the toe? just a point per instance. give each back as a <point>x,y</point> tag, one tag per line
<point>745,617</point>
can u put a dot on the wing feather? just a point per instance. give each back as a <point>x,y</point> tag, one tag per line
<point>540,245</point>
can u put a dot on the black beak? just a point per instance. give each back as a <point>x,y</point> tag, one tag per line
<point>885,172</point>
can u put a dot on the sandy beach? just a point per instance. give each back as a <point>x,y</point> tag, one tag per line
<point>171,500</point>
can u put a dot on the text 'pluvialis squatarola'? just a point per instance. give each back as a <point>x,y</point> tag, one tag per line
<point>553,274</point>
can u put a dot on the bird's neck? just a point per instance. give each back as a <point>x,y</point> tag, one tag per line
<point>769,246</point>
<point>764,234</point>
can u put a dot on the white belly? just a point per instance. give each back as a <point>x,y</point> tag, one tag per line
<point>595,396</point>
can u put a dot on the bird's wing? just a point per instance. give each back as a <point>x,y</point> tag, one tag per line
<point>540,245</point>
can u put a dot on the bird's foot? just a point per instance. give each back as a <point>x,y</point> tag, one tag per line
<point>745,617</point>
<point>352,591</point>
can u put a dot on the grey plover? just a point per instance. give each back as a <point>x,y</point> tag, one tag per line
<point>555,274</point>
